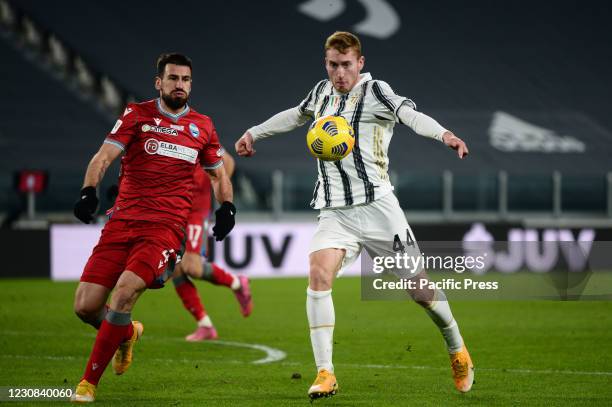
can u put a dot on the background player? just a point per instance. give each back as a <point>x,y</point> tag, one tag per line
<point>163,140</point>
<point>194,264</point>
<point>358,188</point>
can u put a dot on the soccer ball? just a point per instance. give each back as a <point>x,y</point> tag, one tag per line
<point>330,138</point>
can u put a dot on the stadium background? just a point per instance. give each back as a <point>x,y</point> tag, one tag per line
<point>527,85</point>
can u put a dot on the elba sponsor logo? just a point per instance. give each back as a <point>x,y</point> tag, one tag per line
<point>159,129</point>
<point>153,146</point>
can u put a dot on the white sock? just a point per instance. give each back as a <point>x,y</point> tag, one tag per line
<point>205,322</point>
<point>235,283</point>
<point>321,319</point>
<point>440,313</point>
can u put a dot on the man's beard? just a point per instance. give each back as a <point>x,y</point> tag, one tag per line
<point>174,102</point>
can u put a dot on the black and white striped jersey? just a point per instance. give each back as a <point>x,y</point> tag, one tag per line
<point>371,109</point>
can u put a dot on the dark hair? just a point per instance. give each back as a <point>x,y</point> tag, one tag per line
<point>172,58</point>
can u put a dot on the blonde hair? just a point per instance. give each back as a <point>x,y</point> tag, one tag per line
<point>343,42</point>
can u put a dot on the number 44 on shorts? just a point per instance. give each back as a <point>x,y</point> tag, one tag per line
<point>398,246</point>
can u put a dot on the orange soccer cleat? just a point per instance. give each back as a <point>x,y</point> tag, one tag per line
<point>463,370</point>
<point>123,356</point>
<point>325,385</point>
<point>84,393</point>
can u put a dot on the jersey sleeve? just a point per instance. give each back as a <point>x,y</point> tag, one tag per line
<point>387,102</point>
<point>308,105</point>
<point>212,153</point>
<point>125,128</point>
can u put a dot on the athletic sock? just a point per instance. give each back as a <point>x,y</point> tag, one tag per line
<point>114,330</point>
<point>189,296</point>
<point>321,319</point>
<point>440,313</point>
<point>216,275</point>
<point>205,322</point>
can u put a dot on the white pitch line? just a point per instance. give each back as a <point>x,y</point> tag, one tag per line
<point>272,354</point>
<point>478,369</point>
<point>276,355</point>
<point>360,366</point>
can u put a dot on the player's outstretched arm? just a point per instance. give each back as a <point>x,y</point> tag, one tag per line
<point>426,126</point>
<point>282,122</point>
<point>455,143</point>
<point>224,216</point>
<point>244,145</point>
<point>87,204</point>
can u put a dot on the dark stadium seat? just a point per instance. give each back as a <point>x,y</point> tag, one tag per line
<point>43,125</point>
<point>492,74</point>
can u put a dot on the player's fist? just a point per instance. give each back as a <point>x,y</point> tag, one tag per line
<point>244,145</point>
<point>87,205</point>
<point>456,144</point>
<point>224,220</point>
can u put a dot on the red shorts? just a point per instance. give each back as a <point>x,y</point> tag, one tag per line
<point>196,233</point>
<point>149,249</point>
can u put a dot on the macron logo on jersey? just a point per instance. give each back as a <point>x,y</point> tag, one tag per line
<point>153,146</point>
<point>157,121</point>
<point>116,126</point>
<point>159,129</point>
<point>127,111</point>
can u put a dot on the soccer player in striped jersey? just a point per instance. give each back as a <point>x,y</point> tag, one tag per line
<point>358,188</point>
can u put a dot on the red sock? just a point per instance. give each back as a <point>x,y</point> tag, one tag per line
<point>220,276</point>
<point>109,337</point>
<point>191,299</point>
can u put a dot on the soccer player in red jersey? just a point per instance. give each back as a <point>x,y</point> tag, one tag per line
<point>194,265</point>
<point>163,140</point>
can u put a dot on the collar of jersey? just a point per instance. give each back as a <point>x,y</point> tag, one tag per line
<point>364,77</point>
<point>173,116</point>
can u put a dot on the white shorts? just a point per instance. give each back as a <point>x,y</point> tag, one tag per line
<point>380,227</point>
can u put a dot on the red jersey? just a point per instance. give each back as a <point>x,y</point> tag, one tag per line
<point>201,193</point>
<point>161,151</point>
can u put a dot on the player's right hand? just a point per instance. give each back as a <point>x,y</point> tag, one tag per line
<point>87,204</point>
<point>224,220</point>
<point>244,145</point>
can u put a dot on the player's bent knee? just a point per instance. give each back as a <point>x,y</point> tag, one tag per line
<point>88,313</point>
<point>193,273</point>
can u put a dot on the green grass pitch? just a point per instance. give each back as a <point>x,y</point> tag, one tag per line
<point>387,353</point>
